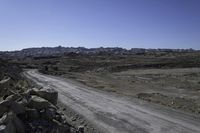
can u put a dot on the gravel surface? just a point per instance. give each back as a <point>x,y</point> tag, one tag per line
<point>114,113</point>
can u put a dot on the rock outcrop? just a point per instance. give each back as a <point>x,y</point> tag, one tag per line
<point>33,111</point>
<point>49,94</point>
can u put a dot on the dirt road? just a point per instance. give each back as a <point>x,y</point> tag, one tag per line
<point>114,113</point>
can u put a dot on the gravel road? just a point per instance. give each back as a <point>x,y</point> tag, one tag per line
<point>113,113</point>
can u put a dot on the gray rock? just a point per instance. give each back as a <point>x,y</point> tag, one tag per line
<point>7,128</point>
<point>13,97</point>
<point>2,128</point>
<point>39,103</point>
<point>11,124</point>
<point>50,113</point>
<point>49,94</point>
<point>27,94</point>
<point>81,129</point>
<point>32,114</point>
<point>59,128</point>
<point>11,105</point>
<point>3,109</point>
<point>23,102</point>
<point>4,83</point>
<point>32,91</point>
<point>3,119</point>
<point>17,108</point>
<point>10,128</point>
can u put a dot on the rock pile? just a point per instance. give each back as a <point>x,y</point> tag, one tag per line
<point>33,111</point>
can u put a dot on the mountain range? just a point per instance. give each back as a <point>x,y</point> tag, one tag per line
<point>57,51</point>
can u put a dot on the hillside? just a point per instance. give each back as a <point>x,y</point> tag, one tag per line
<point>59,51</point>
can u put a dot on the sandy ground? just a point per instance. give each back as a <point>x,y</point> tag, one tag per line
<point>114,113</point>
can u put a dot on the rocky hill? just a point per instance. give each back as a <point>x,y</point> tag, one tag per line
<point>57,51</point>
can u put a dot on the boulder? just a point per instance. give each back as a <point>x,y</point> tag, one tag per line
<point>10,123</point>
<point>27,94</point>
<point>3,119</point>
<point>39,103</point>
<point>23,102</point>
<point>15,122</point>
<point>5,82</point>
<point>2,128</point>
<point>7,128</point>
<point>13,97</point>
<point>13,106</point>
<point>3,109</point>
<point>32,91</point>
<point>49,113</point>
<point>49,94</point>
<point>80,129</point>
<point>32,114</point>
<point>59,128</point>
<point>10,128</point>
<point>17,108</point>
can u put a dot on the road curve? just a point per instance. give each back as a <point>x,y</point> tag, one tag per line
<point>117,114</point>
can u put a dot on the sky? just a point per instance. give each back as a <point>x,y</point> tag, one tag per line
<point>99,23</point>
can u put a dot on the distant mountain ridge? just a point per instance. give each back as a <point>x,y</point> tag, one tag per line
<point>56,51</point>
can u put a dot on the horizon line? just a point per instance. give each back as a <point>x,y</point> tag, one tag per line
<point>96,48</point>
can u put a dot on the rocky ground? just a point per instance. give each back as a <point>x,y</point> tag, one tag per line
<point>27,109</point>
<point>33,111</point>
<point>176,88</point>
<point>112,113</point>
<point>170,79</point>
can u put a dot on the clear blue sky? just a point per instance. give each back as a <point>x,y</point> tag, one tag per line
<point>95,23</point>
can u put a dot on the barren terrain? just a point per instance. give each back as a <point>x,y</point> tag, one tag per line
<point>177,88</point>
<point>115,113</point>
<point>149,92</point>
